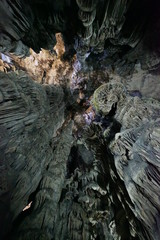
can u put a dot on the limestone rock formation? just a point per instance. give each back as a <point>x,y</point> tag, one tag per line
<point>28,111</point>
<point>134,148</point>
<point>79,120</point>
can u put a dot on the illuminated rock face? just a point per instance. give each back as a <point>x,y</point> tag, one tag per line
<point>79,126</point>
<point>26,118</point>
<point>135,149</point>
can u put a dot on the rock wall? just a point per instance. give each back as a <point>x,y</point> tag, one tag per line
<point>29,113</point>
<point>71,167</point>
<point>135,150</point>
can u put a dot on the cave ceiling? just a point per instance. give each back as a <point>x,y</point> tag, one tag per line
<point>79,120</point>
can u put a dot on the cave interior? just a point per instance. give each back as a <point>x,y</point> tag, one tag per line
<point>79,120</point>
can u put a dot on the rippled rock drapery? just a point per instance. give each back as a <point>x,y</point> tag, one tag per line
<point>91,197</point>
<point>32,24</point>
<point>91,26</point>
<point>135,149</point>
<point>40,223</point>
<point>29,113</point>
<point>62,177</point>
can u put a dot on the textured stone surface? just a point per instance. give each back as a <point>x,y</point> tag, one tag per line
<point>135,149</point>
<point>40,224</point>
<point>99,25</point>
<point>28,115</point>
<point>73,168</point>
